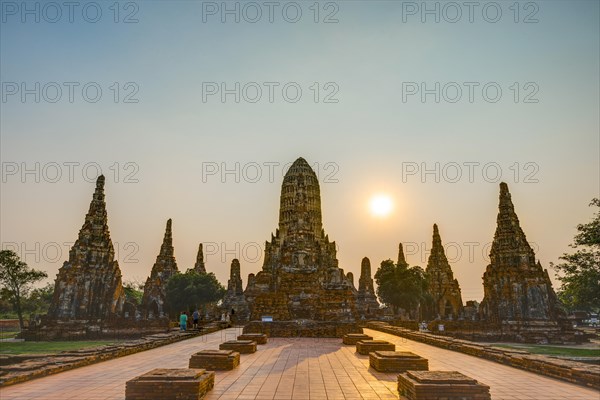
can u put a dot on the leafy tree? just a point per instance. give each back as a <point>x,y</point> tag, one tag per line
<point>401,286</point>
<point>38,301</point>
<point>192,290</point>
<point>134,291</point>
<point>16,279</point>
<point>580,271</point>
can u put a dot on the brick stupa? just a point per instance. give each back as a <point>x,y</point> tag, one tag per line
<point>518,294</point>
<point>443,288</point>
<point>88,286</point>
<point>300,279</point>
<point>155,297</point>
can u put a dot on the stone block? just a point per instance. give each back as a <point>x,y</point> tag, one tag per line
<point>241,346</point>
<point>441,385</point>
<point>259,338</point>
<point>352,338</point>
<point>364,347</point>
<point>215,359</point>
<point>170,384</point>
<point>397,361</point>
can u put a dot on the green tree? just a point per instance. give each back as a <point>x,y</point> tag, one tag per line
<point>134,291</point>
<point>192,290</point>
<point>16,279</point>
<point>38,301</point>
<point>580,271</point>
<point>401,286</point>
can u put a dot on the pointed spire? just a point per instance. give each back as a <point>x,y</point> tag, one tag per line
<point>365,282</point>
<point>97,212</point>
<point>443,288</point>
<point>510,246</point>
<point>515,286</point>
<point>100,183</point>
<point>165,261</point>
<point>164,267</point>
<point>365,267</point>
<point>235,269</point>
<point>166,249</point>
<point>89,285</point>
<point>94,236</point>
<point>437,240</point>
<point>199,266</point>
<point>300,201</point>
<point>401,258</point>
<point>234,285</point>
<point>437,255</point>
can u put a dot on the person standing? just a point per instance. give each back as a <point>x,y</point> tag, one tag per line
<point>195,317</point>
<point>183,321</point>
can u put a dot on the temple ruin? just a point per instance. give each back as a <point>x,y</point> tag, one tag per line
<point>518,294</point>
<point>234,301</point>
<point>88,286</point>
<point>366,301</point>
<point>442,287</point>
<point>155,296</point>
<point>199,266</point>
<point>301,290</point>
<point>300,278</point>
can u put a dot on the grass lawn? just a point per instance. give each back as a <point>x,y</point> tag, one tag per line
<point>8,335</point>
<point>555,351</point>
<point>46,347</point>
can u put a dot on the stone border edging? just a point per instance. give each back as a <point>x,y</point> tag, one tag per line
<point>80,358</point>
<point>587,375</point>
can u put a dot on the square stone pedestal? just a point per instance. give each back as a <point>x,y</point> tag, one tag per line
<point>441,385</point>
<point>241,346</point>
<point>364,347</point>
<point>259,338</point>
<point>397,361</point>
<point>170,384</point>
<point>215,359</point>
<point>352,338</point>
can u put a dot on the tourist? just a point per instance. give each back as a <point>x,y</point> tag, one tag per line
<point>195,317</point>
<point>183,321</point>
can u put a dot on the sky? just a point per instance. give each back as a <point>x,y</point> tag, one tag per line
<point>193,111</point>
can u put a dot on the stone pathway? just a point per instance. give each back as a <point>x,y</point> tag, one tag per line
<point>304,369</point>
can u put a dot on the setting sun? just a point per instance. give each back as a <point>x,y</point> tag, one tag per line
<point>381,205</point>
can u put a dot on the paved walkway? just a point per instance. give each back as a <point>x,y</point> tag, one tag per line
<point>304,369</point>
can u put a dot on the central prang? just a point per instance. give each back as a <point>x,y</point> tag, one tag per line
<point>300,277</point>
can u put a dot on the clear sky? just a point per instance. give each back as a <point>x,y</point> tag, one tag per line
<point>367,129</point>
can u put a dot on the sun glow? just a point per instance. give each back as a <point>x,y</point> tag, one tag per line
<point>381,205</point>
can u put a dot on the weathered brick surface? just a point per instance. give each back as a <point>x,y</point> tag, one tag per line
<point>259,338</point>
<point>518,293</point>
<point>302,328</point>
<point>397,361</point>
<point>88,286</point>
<point>367,305</point>
<point>241,346</point>
<point>155,295</point>
<point>352,338</point>
<point>300,277</point>
<point>443,288</point>
<point>441,385</point>
<point>234,297</point>
<point>567,370</point>
<point>364,347</point>
<point>215,359</point>
<point>170,384</point>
